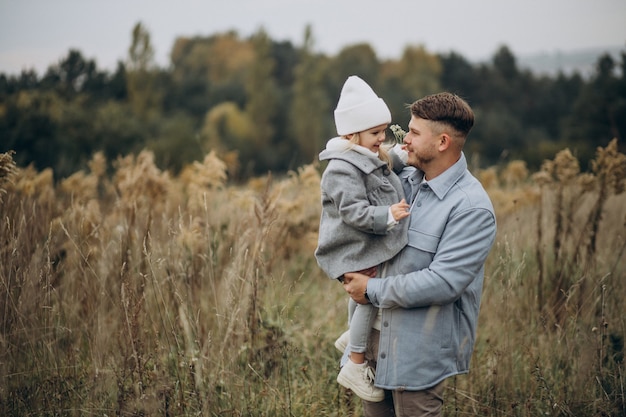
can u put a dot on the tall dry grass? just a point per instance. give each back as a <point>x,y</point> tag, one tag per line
<point>142,294</point>
<point>552,327</point>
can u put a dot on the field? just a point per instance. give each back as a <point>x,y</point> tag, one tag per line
<point>127,291</point>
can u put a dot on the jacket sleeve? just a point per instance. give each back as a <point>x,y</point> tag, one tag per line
<point>398,158</point>
<point>344,185</point>
<point>459,258</point>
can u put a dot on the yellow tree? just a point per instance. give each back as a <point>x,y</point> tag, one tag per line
<point>419,71</point>
<point>210,70</point>
<point>227,130</point>
<point>219,59</point>
<point>415,75</point>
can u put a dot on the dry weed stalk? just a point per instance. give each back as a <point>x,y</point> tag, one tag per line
<point>200,179</point>
<point>515,173</point>
<point>26,299</point>
<point>609,168</point>
<point>8,169</point>
<point>509,191</point>
<point>574,242</point>
<point>139,181</point>
<point>559,177</point>
<point>298,210</point>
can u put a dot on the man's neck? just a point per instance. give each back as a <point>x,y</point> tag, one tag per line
<point>438,167</point>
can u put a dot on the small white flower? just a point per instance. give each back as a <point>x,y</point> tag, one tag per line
<point>398,133</point>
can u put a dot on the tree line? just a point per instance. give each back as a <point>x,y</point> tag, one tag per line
<point>265,105</point>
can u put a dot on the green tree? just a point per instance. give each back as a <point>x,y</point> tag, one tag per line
<point>69,75</point>
<point>116,131</point>
<point>177,143</point>
<point>29,126</point>
<point>459,76</point>
<point>189,91</point>
<point>619,107</point>
<point>262,101</point>
<point>504,85</point>
<point>75,75</point>
<point>141,74</point>
<point>496,135</point>
<point>359,59</point>
<point>285,57</point>
<point>598,113</point>
<point>310,114</point>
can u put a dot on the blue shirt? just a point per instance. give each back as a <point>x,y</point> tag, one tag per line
<point>430,296</point>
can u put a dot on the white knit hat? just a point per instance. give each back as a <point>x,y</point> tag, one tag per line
<point>359,108</point>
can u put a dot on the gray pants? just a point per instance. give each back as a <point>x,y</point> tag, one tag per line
<point>361,318</point>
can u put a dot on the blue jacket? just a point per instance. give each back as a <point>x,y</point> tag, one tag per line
<point>430,296</point>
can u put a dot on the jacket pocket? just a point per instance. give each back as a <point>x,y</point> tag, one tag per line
<point>383,194</point>
<point>423,241</point>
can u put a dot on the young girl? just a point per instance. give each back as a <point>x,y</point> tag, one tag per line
<point>362,206</point>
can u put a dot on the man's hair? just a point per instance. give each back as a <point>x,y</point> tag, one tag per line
<point>447,109</point>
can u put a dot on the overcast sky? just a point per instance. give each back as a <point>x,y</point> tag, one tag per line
<point>38,33</point>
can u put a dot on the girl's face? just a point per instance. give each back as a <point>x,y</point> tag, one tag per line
<point>372,138</point>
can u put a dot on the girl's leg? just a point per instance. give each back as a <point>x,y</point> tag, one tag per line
<point>356,374</point>
<point>360,326</point>
<point>351,307</point>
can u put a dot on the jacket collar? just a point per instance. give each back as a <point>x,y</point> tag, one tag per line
<point>444,181</point>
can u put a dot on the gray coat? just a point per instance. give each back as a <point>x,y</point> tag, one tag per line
<point>357,190</point>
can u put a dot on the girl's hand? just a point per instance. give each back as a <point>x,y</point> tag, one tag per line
<point>400,210</point>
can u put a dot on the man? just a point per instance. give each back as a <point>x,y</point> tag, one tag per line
<point>429,297</point>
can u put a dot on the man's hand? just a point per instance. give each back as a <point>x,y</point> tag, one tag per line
<point>355,285</point>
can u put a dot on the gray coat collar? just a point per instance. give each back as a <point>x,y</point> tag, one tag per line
<point>362,158</point>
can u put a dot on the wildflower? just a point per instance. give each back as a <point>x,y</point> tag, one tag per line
<point>398,133</point>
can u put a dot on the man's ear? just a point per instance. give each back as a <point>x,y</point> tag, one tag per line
<point>445,141</point>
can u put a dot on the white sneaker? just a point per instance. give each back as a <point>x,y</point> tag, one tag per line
<point>360,379</point>
<point>342,343</point>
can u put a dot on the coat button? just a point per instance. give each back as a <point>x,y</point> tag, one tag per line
<point>383,355</point>
<point>386,324</point>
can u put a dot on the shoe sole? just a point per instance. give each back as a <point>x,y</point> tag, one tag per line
<point>340,346</point>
